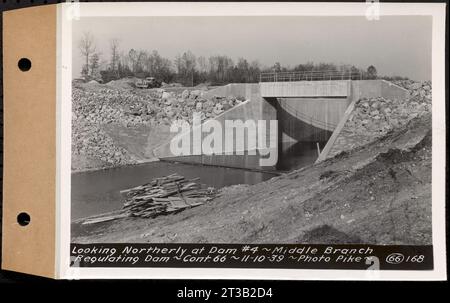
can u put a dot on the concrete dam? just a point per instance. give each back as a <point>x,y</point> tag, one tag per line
<point>282,125</point>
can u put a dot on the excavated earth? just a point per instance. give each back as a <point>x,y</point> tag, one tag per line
<point>379,193</point>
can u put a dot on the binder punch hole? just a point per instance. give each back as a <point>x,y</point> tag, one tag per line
<point>24,64</point>
<point>23,219</point>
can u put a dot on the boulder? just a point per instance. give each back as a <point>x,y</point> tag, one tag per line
<point>185,94</point>
<point>170,113</point>
<point>416,85</point>
<point>196,93</point>
<point>217,111</point>
<point>376,104</point>
<point>166,95</point>
<point>374,113</point>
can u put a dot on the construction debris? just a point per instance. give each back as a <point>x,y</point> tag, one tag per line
<point>161,196</point>
<point>165,195</point>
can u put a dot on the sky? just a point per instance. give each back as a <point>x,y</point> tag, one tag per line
<point>395,45</point>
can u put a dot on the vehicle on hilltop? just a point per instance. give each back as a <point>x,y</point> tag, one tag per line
<point>148,82</point>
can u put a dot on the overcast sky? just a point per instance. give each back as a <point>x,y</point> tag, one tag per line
<point>395,45</point>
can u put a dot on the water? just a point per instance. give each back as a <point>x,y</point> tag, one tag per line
<point>298,155</point>
<point>98,191</point>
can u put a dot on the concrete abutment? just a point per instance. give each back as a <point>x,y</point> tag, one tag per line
<point>308,113</point>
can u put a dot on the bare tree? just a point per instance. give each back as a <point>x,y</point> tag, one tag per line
<point>142,57</point>
<point>159,67</point>
<point>133,57</point>
<point>95,67</point>
<point>115,57</point>
<point>185,66</point>
<point>86,46</point>
<point>202,64</point>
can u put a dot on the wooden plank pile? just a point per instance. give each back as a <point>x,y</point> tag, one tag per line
<point>165,195</point>
<point>161,196</point>
<point>105,217</point>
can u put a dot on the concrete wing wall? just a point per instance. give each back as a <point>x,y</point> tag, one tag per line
<point>245,90</point>
<point>391,91</point>
<point>361,89</point>
<point>377,88</point>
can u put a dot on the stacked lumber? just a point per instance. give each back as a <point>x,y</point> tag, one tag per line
<point>105,217</point>
<point>161,196</point>
<point>165,195</point>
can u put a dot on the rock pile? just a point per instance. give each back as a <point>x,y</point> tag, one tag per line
<point>182,106</point>
<point>90,141</point>
<point>374,117</point>
<point>155,106</point>
<point>98,105</point>
<point>418,90</point>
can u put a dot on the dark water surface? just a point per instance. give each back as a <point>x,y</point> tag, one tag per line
<point>98,191</point>
<point>298,155</point>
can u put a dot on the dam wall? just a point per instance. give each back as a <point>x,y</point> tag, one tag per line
<point>308,113</point>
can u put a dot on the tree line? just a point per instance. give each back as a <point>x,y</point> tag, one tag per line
<point>186,68</point>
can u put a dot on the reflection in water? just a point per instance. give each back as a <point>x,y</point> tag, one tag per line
<point>98,192</point>
<point>300,154</point>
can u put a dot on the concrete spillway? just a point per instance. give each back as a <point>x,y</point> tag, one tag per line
<point>309,113</point>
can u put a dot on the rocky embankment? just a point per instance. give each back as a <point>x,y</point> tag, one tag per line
<point>100,111</point>
<point>375,117</point>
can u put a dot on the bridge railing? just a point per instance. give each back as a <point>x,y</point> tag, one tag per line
<point>309,76</point>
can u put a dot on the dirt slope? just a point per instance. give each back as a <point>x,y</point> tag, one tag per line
<point>379,193</point>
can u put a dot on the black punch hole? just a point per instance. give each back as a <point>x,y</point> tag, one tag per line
<point>23,219</point>
<point>24,64</point>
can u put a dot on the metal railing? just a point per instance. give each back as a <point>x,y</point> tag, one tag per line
<point>309,76</point>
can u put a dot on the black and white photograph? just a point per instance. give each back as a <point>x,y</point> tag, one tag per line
<point>248,144</point>
<point>253,130</point>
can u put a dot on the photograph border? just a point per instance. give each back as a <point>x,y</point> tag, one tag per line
<point>68,13</point>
